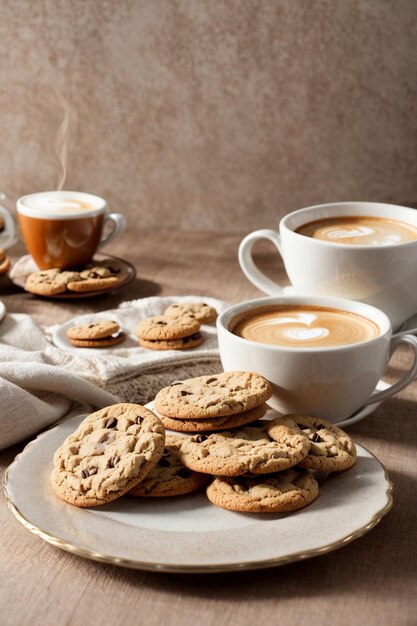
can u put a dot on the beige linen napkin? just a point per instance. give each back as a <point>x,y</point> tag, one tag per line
<point>41,383</point>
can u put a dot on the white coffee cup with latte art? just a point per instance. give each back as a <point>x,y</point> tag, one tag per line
<point>364,251</point>
<point>323,356</point>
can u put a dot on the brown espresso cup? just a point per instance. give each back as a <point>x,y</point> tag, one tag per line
<point>65,228</point>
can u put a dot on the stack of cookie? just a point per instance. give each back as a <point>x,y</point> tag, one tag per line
<point>169,333</point>
<point>178,328</point>
<point>264,468</point>
<point>120,450</point>
<point>99,334</point>
<point>212,403</point>
<point>5,262</point>
<point>53,282</point>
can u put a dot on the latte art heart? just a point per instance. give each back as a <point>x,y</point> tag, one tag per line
<point>308,334</point>
<point>304,326</point>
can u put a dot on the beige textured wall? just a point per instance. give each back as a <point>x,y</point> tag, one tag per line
<point>208,113</point>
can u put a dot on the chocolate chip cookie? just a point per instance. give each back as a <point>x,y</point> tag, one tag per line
<point>214,423</point>
<point>111,451</point>
<point>99,334</point>
<point>216,395</point>
<point>202,312</point>
<point>169,477</point>
<point>243,450</point>
<point>331,449</point>
<point>283,492</point>
<point>165,333</point>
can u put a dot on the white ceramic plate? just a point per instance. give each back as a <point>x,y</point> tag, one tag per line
<point>188,533</point>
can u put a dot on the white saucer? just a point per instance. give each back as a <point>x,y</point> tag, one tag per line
<point>60,339</point>
<point>364,411</point>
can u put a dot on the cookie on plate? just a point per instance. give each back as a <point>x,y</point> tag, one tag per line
<point>169,477</point>
<point>214,395</point>
<point>331,449</point>
<point>202,312</point>
<point>99,334</point>
<point>111,451</point>
<point>283,492</point>
<point>2,224</point>
<point>165,333</point>
<point>214,423</point>
<point>243,450</point>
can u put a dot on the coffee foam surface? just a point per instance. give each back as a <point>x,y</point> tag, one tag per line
<point>360,230</point>
<point>53,203</point>
<point>303,327</point>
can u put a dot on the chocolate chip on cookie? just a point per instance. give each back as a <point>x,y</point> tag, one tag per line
<point>107,455</point>
<point>331,449</point>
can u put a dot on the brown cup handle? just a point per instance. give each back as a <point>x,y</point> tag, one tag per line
<point>119,224</point>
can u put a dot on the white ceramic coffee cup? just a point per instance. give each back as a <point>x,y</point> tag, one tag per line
<point>383,276</point>
<point>332,382</point>
<point>8,234</point>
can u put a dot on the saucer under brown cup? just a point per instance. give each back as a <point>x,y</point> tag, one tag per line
<point>65,228</point>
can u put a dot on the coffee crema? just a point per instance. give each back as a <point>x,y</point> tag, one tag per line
<point>57,205</point>
<point>360,230</point>
<point>302,326</point>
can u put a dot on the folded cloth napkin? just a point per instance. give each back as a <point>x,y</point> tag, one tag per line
<point>38,385</point>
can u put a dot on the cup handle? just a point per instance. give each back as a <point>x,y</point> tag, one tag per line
<point>8,236</point>
<point>251,271</point>
<point>410,340</point>
<point>119,224</point>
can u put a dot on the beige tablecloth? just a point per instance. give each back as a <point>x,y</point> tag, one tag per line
<point>370,581</point>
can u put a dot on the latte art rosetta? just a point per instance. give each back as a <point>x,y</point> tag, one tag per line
<point>303,326</point>
<point>360,230</point>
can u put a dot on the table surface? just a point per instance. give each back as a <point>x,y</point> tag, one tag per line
<point>372,579</point>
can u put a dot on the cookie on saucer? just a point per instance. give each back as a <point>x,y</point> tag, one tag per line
<point>99,334</point>
<point>44,283</point>
<point>331,449</point>
<point>202,312</point>
<point>169,477</point>
<point>282,492</point>
<point>111,451</point>
<point>165,333</point>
